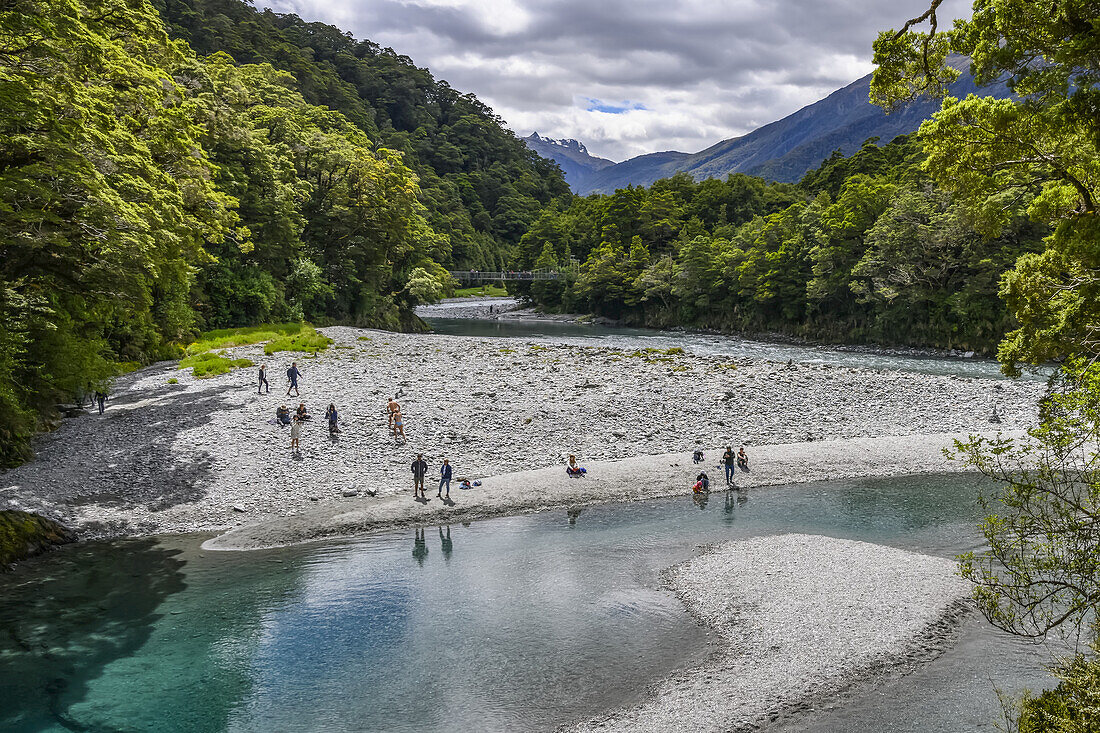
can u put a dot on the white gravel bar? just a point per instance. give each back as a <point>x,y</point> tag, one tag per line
<point>800,620</point>
<point>203,455</point>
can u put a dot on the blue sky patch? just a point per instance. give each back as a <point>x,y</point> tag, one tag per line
<point>598,105</point>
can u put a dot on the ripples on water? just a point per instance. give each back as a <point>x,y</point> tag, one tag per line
<point>520,623</point>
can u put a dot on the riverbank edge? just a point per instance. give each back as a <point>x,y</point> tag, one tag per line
<point>678,696</point>
<point>24,535</point>
<point>619,481</point>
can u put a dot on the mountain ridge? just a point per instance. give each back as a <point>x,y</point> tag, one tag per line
<point>786,149</point>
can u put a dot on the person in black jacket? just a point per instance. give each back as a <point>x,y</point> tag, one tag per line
<point>419,470</point>
<point>444,479</point>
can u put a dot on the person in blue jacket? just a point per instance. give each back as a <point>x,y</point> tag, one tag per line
<point>444,479</point>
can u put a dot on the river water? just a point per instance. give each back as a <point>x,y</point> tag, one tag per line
<point>517,623</point>
<point>581,334</point>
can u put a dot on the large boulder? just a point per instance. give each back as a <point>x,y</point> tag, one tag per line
<point>24,535</point>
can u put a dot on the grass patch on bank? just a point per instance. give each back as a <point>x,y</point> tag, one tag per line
<point>228,337</point>
<point>309,342</point>
<point>483,291</point>
<point>208,364</point>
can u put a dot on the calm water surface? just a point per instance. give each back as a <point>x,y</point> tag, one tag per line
<point>520,623</point>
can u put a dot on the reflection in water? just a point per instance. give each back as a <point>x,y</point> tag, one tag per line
<point>420,547</point>
<point>445,543</point>
<point>534,624</point>
<point>701,498</point>
<point>573,514</point>
<point>61,629</point>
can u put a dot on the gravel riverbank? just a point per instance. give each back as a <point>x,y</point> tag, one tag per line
<point>203,454</point>
<point>800,619</point>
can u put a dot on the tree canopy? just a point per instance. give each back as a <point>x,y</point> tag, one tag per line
<point>865,248</point>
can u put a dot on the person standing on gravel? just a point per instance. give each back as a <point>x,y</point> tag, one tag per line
<point>419,470</point>
<point>263,380</point>
<point>295,433</point>
<point>100,398</point>
<point>729,458</point>
<point>393,408</point>
<point>444,479</point>
<point>292,374</point>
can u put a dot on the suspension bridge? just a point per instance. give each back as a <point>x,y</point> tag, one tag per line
<point>494,275</point>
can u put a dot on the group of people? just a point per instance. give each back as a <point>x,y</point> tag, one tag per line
<point>283,416</point>
<point>446,471</point>
<point>730,460</point>
<point>397,419</point>
<point>292,375</point>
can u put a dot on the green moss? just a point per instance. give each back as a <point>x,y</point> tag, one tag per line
<point>173,380</point>
<point>23,534</point>
<point>228,337</point>
<point>309,342</point>
<point>209,364</point>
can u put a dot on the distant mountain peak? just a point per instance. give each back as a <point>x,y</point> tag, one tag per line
<point>570,144</point>
<point>786,149</point>
<point>571,155</point>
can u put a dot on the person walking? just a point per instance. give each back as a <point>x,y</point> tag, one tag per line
<point>399,426</point>
<point>393,408</point>
<point>419,470</point>
<point>100,398</point>
<point>263,381</point>
<point>729,458</point>
<point>331,415</point>
<point>444,479</point>
<point>292,374</point>
<point>295,433</point>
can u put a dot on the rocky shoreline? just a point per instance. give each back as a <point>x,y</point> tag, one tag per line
<point>201,455</point>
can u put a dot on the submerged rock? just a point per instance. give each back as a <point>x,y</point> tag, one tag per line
<point>24,535</point>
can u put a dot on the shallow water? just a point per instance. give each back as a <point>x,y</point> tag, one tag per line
<point>714,344</point>
<point>519,623</point>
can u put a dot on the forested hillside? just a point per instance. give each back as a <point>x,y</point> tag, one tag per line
<point>148,191</point>
<point>865,248</point>
<point>481,185</point>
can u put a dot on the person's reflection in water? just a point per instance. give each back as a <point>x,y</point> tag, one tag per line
<point>700,499</point>
<point>729,506</point>
<point>573,514</point>
<point>742,498</point>
<point>420,547</point>
<point>445,543</point>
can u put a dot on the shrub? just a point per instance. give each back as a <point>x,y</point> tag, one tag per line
<point>209,364</point>
<point>310,341</point>
<point>228,337</point>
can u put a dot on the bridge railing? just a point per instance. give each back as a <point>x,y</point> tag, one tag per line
<point>476,275</point>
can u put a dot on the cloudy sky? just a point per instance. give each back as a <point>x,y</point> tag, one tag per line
<point>628,77</point>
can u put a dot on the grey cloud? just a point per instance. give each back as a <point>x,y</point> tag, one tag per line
<point>705,69</point>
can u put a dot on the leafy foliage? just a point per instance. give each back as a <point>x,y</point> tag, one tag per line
<point>481,185</point>
<point>146,192</point>
<point>1036,155</point>
<point>865,248</point>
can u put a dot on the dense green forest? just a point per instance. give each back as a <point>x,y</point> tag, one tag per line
<point>275,171</point>
<point>481,185</point>
<point>865,248</point>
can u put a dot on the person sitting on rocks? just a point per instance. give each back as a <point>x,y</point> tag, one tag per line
<point>331,416</point>
<point>702,483</point>
<point>573,469</point>
<point>301,413</point>
<point>282,414</point>
<point>743,459</point>
<point>697,456</point>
